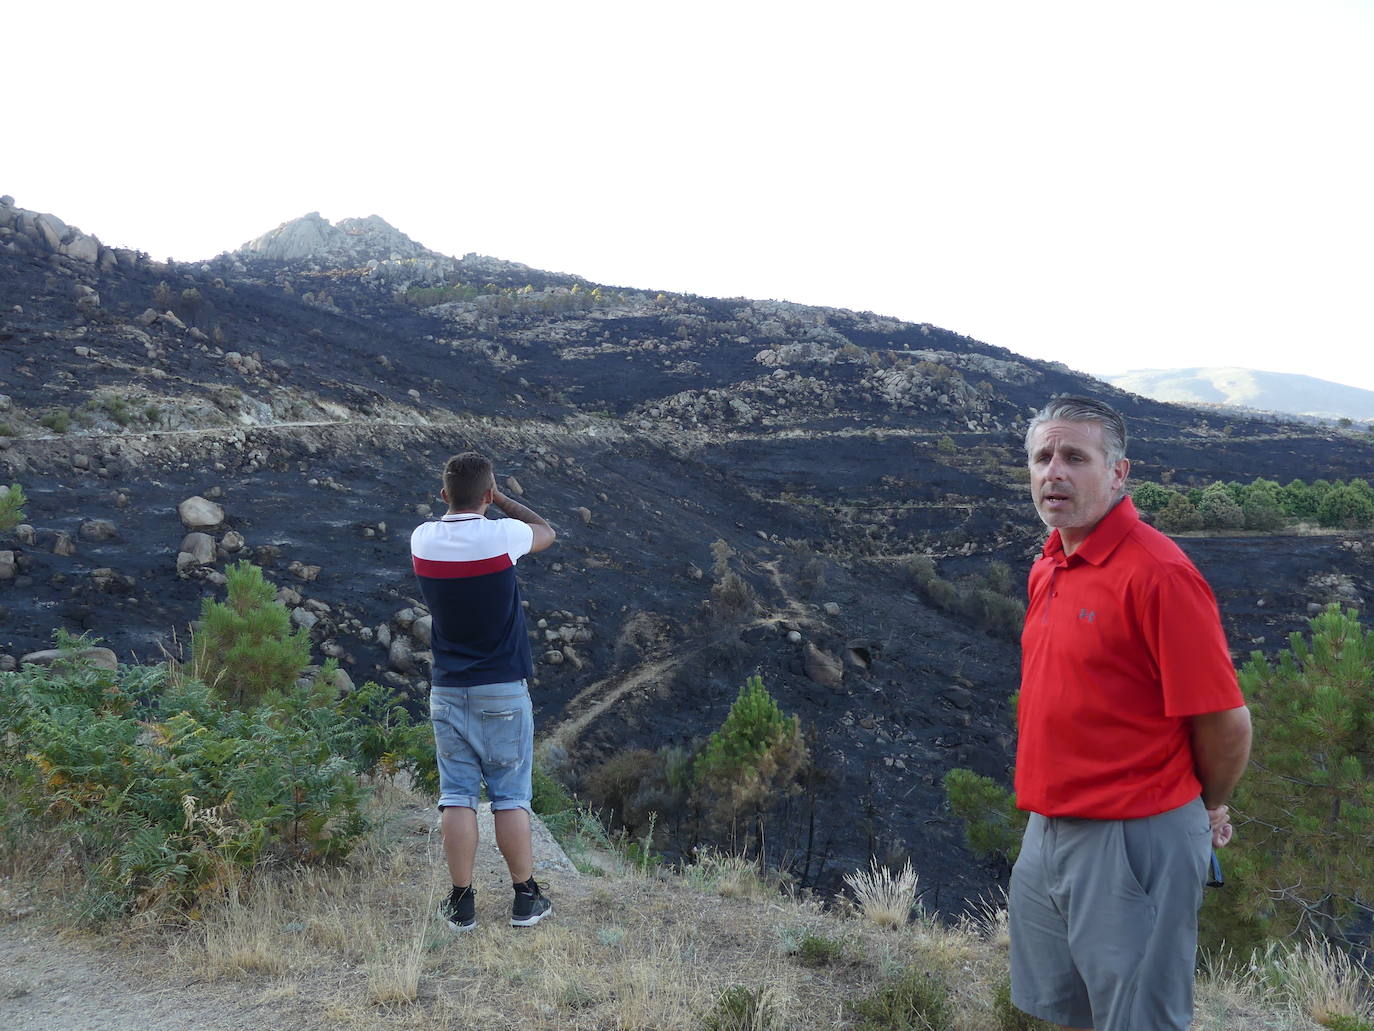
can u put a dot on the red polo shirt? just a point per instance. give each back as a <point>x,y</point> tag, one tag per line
<point>1122,643</point>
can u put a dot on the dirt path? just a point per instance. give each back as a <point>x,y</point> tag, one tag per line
<point>49,983</point>
<point>53,980</point>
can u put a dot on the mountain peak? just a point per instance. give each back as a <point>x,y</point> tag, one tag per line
<point>352,242</point>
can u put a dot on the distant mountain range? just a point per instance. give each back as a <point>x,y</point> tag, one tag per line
<point>1250,388</point>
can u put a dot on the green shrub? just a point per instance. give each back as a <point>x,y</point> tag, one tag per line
<point>1150,497</point>
<point>999,577</point>
<point>921,569</point>
<point>995,613</point>
<point>1297,500</point>
<point>1261,506</point>
<point>1219,510</point>
<point>59,421</point>
<point>941,594</point>
<point>744,1009</point>
<point>245,647</point>
<point>389,741</point>
<point>989,600</point>
<point>6,429</point>
<point>1177,516</point>
<point>992,824</point>
<point>169,795</point>
<point>913,1001</point>
<point>117,408</point>
<point>1347,507</point>
<point>754,728</point>
<point>818,951</point>
<point>579,832</point>
<point>1345,1022</point>
<point>12,502</point>
<point>549,796</point>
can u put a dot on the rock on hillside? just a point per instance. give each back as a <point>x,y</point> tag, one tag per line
<point>389,257</point>
<point>31,232</point>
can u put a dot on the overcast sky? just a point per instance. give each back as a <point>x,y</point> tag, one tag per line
<point>1115,186</point>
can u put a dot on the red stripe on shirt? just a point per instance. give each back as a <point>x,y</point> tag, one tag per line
<point>441,570</point>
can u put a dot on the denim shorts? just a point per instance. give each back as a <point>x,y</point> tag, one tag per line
<point>483,734</point>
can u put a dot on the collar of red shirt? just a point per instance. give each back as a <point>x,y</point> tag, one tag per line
<point>1102,541</point>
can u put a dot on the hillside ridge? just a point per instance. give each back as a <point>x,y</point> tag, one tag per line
<point>682,445</point>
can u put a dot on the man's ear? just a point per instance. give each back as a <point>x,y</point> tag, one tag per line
<point>1120,472</point>
<point>443,493</point>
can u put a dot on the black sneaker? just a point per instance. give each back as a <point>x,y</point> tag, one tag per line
<point>459,910</point>
<point>530,905</point>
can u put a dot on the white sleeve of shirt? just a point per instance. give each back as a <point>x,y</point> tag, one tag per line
<point>519,538</point>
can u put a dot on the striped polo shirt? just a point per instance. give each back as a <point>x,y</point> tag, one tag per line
<point>466,567</point>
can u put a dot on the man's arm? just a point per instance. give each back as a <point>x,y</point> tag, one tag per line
<point>1221,750</point>
<point>543,532</point>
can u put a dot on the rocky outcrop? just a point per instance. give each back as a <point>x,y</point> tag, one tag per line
<point>24,230</point>
<point>353,242</point>
<point>385,257</point>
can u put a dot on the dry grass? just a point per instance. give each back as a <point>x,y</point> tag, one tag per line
<point>1318,981</point>
<point>730,876</point>
<point>358,947</point>
<point>248,938</point>
<point>393,973</point>
<point>885,898</point>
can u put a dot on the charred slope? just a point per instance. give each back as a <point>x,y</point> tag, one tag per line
<point>825,448</point>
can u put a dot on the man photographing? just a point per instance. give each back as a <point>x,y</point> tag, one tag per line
<point>1132,736</point>
<point>479,697</point>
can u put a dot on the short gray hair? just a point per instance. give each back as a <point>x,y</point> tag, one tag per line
<point>1084,409</point>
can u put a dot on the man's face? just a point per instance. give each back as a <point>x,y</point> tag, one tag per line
<point>1072,484</point>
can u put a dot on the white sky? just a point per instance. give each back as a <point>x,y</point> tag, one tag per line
<point>1110,185</point>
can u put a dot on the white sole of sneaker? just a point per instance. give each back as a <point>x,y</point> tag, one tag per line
<point>530,921</point>
<point>456,927</point>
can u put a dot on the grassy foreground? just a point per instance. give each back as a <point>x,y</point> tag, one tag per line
<point>356,945</point>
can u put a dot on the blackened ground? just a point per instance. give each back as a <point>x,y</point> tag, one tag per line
<point>322,455</point>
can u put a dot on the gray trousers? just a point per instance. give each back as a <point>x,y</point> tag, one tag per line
<point>1103,919</point>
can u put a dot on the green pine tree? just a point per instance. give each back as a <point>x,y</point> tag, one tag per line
<point>1307,801</point>
<point>245,647</point>
<point>992,824</point>
<point>757,753</point>
<point>12,503</point>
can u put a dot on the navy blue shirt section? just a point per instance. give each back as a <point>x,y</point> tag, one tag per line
<point>466,569</point>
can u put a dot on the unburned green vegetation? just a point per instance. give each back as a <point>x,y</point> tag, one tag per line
<point>1261,505</point>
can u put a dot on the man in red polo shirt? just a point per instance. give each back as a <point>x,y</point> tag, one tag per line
<point>1132,736</point>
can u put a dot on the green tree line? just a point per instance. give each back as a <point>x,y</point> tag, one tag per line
<point>1262,504</point>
